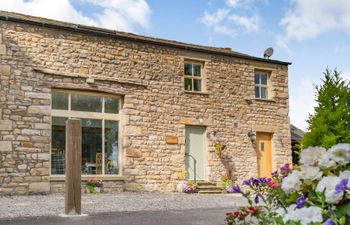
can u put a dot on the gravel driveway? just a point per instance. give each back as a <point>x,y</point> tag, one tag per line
<point>53,205</point>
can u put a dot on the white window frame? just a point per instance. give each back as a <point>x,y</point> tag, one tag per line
<point>260,85</point>
<point>192,77</point>
<point>91,115</point>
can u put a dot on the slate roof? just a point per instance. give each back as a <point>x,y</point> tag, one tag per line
<point>48,23</point>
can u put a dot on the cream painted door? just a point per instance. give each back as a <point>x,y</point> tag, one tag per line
<point>264,154</point>
<point>195,152</point>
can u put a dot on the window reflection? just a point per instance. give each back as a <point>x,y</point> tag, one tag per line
<point>111,147</point>
<point>91,146</point>
<point>58,144</point>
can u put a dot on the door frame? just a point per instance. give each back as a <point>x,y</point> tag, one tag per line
<point>205,150</point>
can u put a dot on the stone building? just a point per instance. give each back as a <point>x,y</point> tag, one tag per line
<point>149,108</point>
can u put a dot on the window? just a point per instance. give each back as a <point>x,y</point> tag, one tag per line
<point>261,80</point>
<point>193,77</point>
<point>99,116</point>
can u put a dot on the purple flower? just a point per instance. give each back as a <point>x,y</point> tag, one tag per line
<point>301,201</point>
<point>237,189</point>
<point>342,186</point>
<point>329,222</point>
<point>285,168</point>
<point>256,199</point>
<point>274,172</point>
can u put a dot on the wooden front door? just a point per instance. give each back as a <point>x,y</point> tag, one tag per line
<point>195,152</point>
<point>264,154</point>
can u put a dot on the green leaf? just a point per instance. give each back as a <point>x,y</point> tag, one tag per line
<point>342,220</point>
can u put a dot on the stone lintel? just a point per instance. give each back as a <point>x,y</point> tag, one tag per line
<point>195,121</point>
<point>265,128</point>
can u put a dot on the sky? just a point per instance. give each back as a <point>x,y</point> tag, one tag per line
<point>311,34</point>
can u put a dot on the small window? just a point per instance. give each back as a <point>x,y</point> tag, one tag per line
<point>261,80</point>
<point>193,77</point>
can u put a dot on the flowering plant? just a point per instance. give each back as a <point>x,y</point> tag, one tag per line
<point>317,192</point>
<point>219,148</point>
<point>188,186</point>
<point>227,183</point>
<point>92,183</point>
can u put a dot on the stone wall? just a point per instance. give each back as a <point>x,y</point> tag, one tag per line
<point>33,60</point>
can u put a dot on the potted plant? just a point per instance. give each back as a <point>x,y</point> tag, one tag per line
<point>94,186</point>
<point>188,186</point>
<point>227,183</point>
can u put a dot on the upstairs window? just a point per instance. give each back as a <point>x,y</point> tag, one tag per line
<point>193,77</point>
<point>261,80</point>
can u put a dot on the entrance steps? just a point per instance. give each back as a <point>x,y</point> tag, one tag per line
<point>205,187</point>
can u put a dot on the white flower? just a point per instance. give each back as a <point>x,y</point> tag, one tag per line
<point>325,161</point>
<point>327,184</point>
<point>312,214</point>
<point>292,182</point>
<point>344,174</point>
<point>291,214</point>
<point>304,215</point>
<point>310,173</point>
<point>340,153</point>
<point>312,155</point>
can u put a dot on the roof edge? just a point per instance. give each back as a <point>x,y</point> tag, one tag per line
<point>48,23</point>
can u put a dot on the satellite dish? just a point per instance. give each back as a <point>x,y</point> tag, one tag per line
<point>268,53</point>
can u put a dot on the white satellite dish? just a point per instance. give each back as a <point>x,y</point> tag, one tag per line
<point>268,53</point>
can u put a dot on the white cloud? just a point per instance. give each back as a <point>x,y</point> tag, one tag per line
<point>249,23</point>
<point>116,14</point>
<point>228,21</point>
<point>310,18</point>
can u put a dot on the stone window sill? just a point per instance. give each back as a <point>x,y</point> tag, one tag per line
<point>86,177</point>
<point>260,100</point>
<point>196,93</point>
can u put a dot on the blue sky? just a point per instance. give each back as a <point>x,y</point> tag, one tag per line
<point>311,34</point>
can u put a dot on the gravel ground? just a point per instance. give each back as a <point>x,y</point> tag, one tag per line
<point>53,205</point>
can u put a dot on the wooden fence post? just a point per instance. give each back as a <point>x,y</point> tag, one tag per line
<point>73,167</point>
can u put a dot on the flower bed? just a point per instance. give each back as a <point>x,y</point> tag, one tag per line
<point>314,193</point>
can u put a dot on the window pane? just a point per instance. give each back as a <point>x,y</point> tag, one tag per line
<point>196,70</point>
<point>257,94</point>
<point>59,100</point>
<point>188,69</point>
<point>111,105</point>
<point>263,92</point>
<point>197,85</point>
<point>58,145</point>
<point>188,84</point>
<point>91,146</point>
<point>111,147</point>
<point>256,78</point>
<point>88,103</point>
<point>263,78</point>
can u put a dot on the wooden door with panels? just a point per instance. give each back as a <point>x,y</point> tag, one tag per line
<point>264,153</point>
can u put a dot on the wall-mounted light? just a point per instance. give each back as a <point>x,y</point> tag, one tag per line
<point>252,136</point>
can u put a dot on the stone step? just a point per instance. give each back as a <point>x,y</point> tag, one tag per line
<point>208,187</point>
<point>210,192</point>
<point>205,183</point>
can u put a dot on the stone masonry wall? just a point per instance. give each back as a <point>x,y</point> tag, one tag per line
<point>33,60</point>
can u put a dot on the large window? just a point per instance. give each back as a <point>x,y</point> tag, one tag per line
<point>99,116</point>
<point>261,80</point>
<point>193,76</point>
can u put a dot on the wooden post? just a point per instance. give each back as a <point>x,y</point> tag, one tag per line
<point>73,167</point>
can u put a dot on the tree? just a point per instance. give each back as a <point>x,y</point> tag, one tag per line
<point>330,124</point>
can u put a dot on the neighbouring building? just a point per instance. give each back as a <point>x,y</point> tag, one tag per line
<point>149,108</point>
<point>296,136</point>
